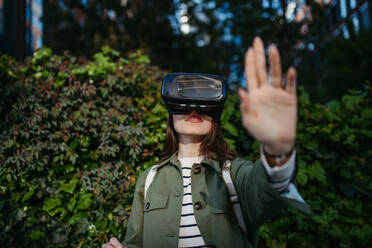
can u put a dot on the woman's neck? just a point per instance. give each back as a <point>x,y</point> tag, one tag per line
<point>189,146</point>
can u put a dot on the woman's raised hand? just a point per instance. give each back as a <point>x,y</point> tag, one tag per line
<point>268,111</point>
<point>113,243</point>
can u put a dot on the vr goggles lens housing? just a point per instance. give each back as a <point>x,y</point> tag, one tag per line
<point>184,92</point>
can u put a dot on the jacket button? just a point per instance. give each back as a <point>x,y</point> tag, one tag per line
<point>147,206</point>
<point>196,170</point>
<point>198,205</point>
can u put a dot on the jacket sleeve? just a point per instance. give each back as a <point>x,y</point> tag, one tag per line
<point>259,200</point>
<point>280,176</point>
<point>133,237</point>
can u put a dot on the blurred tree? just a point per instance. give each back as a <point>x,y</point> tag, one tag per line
<point>184,35</point>
<point>229,27</point>
<point>209,36</point>
<point>328,72</point>
<point>83,27</point>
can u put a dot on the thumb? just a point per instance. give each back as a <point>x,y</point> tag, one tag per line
<point>244,100</point>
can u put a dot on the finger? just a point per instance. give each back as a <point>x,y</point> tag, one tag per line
<point>259,52</point>
<point>115,243</point>
<point>275,67</point>
<point>250,70</point>
<point>106,245</point>
<point>291,80</point>
<point>244,106</point>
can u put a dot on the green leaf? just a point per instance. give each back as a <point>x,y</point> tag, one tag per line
<point>317,172</point>
<point>334,105</point>
<point>9,143</point>
<point>85,141</point>
<point>12,74</point>
<point>60,82</point>
<point>71,204</point>
<point>301,178</point>
<point>29,193</point>
<point>23,69</point>
<point>70,186</point>
<point>106,50</point>
<point>77,217</point>
<point>2,191</point>
<point>143,60</point>
<point>84,201</point>
<point>57,210</point>
<point>50,203</point>
<point>230,142</point>
<point>133,55</point>
<point>38,75</point>
<point>231,129</point>
<point>37,234</point>
<point>124,61</point>
<point>304,98</point>
<point>79,71</point>
<point>69,168</point>
<point>41,55</point>
<point>115,53</point>
<point>320,220</point>
<point>61,79</point>
<point>74,144</point>
<point>226,114</point>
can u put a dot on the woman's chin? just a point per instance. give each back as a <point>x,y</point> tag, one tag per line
<point>197,135</point>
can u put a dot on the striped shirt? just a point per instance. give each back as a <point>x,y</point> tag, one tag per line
<point>189,235</point>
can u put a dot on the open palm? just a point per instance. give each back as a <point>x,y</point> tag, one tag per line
<point>269,111</point>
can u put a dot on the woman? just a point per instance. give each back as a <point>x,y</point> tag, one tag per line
<point>200,214</point>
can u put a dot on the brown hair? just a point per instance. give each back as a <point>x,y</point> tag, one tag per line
<point>213,145</point>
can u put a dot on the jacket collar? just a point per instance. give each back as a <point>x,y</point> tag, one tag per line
<point>173,159</point>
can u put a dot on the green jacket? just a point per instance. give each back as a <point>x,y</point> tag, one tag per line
<point>155,222</point>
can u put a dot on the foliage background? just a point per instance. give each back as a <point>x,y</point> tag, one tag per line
<point>75,134</point>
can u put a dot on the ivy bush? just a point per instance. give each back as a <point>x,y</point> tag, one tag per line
<point>72,147</point>
<point>75,135</point>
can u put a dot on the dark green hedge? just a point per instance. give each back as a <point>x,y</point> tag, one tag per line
<point>73,145</point>
<point>75,135</point>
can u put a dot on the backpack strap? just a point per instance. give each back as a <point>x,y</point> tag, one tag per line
<point>149,178</point>
<point>234,198</point>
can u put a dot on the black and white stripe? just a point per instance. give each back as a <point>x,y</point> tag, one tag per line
<point>189,235</point>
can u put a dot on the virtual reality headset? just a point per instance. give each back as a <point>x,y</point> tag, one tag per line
<point>184,92</point>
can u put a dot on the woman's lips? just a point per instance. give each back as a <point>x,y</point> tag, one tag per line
<point>194,119</point>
